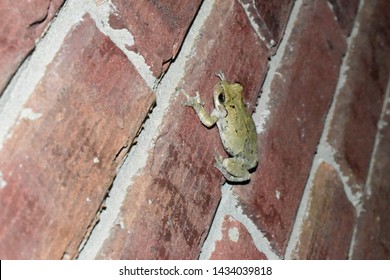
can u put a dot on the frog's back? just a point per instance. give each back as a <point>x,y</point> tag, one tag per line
<point>240,139</point>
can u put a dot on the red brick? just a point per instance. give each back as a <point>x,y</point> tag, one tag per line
<point>58,167</point>
<point>358,106</point>
<point>372,239</point>
<point>299,101</point>
<point>22,22</point>
<point>236,243</point>
<point>158,27</point>
<point>328,225</point>
<point>345,12</point>
<point>270,16</point>
<point>170,205</point>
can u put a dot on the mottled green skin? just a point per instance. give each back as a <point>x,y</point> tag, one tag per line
<point>236,128</point>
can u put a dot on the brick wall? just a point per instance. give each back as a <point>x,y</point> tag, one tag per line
<point>98,159</point>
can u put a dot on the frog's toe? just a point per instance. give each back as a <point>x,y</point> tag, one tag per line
<point>218,159</point>
<point>186,103</point>
<point>220,75</point>
<point>190,100</point>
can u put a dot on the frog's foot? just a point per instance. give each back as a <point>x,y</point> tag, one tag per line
<point>192,101</point>
<point>218,162</point>
<point>232,169</point>
<point>220,75</point>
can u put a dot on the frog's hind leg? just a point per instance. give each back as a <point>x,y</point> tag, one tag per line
<point>233,169</point>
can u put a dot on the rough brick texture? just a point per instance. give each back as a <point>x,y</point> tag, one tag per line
<point>329,222</point>
<point>345,12</point>
<point>300,98</point>
<point>360,101</point>
<point>22,23</point>
<point>270,18</point>
<point>178,191</point>
<point>61,156</point>
<point>372,235</point>
<point>158,27</point>
<point>236,243</point>
<point>320,190</point>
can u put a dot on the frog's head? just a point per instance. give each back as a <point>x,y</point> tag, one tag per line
<point>226,93</point>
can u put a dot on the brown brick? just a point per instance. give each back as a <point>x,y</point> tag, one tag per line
<point>170,205</point>
<point>300,97</point>
<point>57,168</point>
<point>359,103</point>
<point>236,243</point>
<point>345,12</point>
<point>328,225</point>
<point>158,27</point>
<point>372,239</point>
<point>22,22</point>
<point>270,16</point>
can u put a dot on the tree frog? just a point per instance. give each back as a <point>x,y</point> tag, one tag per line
<point>236,128</point>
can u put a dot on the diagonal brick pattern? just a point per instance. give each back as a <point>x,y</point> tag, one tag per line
<point>82,85</point>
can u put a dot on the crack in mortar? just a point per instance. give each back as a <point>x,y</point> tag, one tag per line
<point>38,21</point>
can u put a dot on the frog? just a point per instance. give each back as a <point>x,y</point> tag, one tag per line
<point>236,128</point>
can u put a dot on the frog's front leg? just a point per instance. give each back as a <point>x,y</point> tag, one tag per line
<point>196,103</point>
<point>233,169</point>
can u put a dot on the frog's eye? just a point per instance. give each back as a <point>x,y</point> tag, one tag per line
<point>221,97</point>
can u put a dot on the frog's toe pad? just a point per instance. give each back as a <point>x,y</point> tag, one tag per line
<point>219,160</point>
